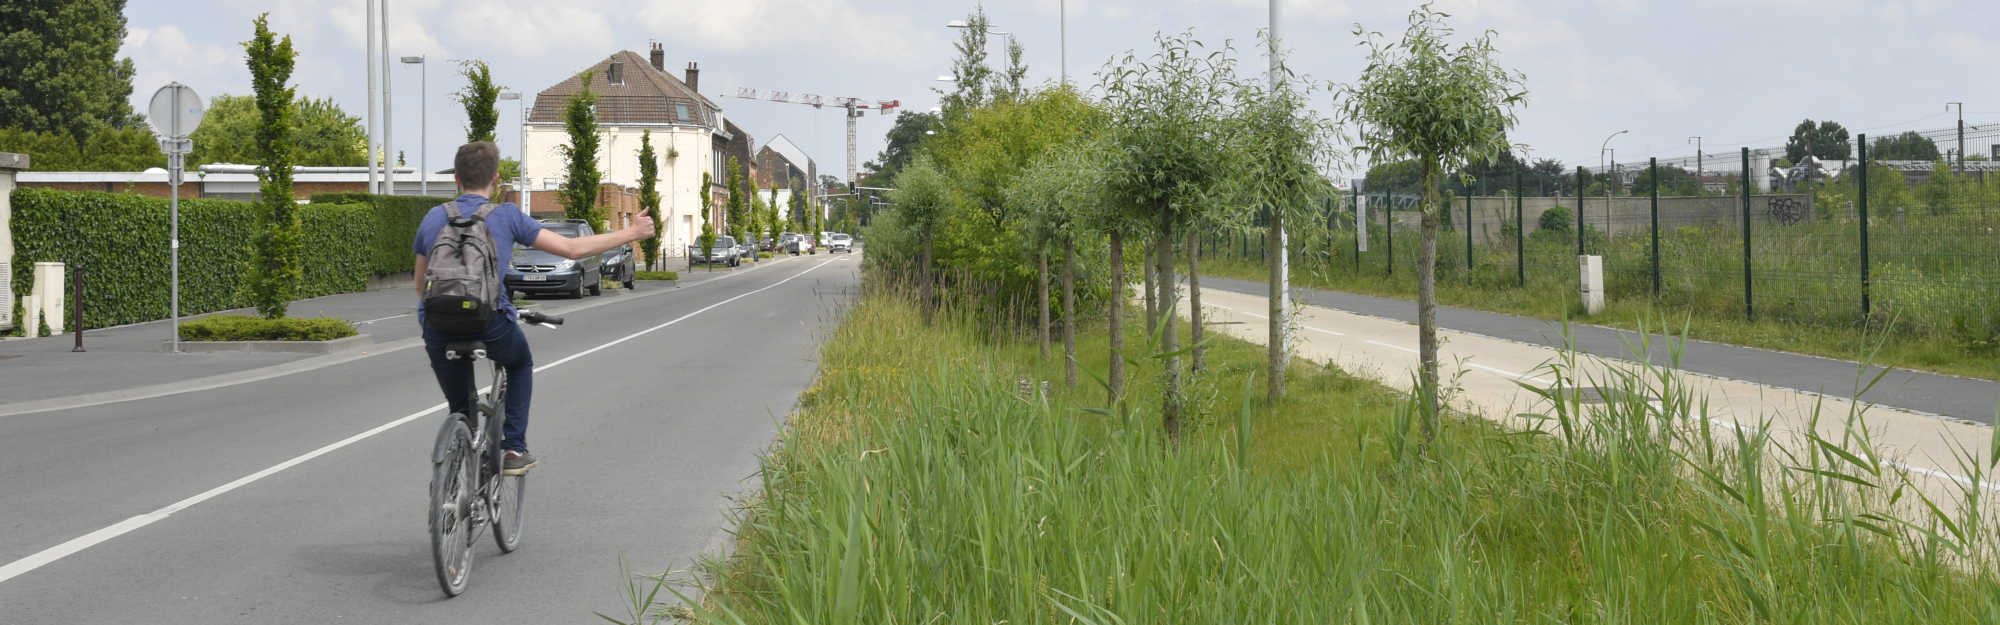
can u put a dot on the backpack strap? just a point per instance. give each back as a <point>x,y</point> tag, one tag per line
<point>456,218</point>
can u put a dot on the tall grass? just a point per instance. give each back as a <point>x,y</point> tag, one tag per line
<point>927,479</point>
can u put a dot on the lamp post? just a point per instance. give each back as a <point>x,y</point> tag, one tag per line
<point>1700,187</point>
<point>1607,188</point>
<point>521,176</point>
<point>423,123</point>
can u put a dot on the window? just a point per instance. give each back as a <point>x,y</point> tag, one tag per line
<point>681,110</point>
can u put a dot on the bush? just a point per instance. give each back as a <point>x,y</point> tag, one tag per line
<point>762,255</point>
<point>1558,219</point>
<point>241,328</point>
<point>396,218</point>
<point>120,240</point>
<point>656,275</point>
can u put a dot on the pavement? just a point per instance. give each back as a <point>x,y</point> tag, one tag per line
<point>302,497</point>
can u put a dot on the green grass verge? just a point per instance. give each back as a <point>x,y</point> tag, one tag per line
<point>656,275</point>
<point>242,328</point>
<point>918,483</point>
<point>1552,299</point>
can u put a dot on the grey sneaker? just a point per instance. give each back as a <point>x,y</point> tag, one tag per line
<point>518,463</point>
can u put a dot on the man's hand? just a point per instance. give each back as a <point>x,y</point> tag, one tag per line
<point>641,229</point>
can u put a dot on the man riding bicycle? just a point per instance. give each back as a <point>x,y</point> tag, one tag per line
<point>477,168</point>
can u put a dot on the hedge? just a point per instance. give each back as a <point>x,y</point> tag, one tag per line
<point>241,328</point>
<point>396,220</point>
<point>121,241</point>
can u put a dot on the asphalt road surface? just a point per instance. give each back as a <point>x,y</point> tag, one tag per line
<point>168,510</point>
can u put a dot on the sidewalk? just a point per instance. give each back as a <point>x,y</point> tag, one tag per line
<point>127,357</point>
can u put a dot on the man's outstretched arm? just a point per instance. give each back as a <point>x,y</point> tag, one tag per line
<point>581,247</point>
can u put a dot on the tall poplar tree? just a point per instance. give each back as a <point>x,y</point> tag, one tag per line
<point>479,96</point>
<point>276,268</point>
<point>735,212</point>
<point>649,196</point>
<point>579,196</point>
<point>706,241</point>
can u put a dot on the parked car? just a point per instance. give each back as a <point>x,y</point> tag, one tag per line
<point>748,250</point>
<point>619,263</point>
<point>725,253</point>
<point>535,271</point>
<point>839,242</point>
<point>795,243</point>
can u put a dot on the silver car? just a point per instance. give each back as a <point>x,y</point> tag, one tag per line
<point>725,253</point>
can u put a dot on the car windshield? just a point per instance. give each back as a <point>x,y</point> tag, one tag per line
<point>840,237</point>
<point>532,256</point>
<point>725,241</point>
<point>567,230</point>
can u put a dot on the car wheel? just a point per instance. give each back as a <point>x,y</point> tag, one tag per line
<point>598,287</point>
<point>578,293</point>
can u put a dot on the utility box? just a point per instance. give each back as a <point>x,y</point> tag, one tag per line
<point>47,298</point>
<point>1592,271</point>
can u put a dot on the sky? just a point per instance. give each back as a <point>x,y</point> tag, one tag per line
<point>1734,72</point>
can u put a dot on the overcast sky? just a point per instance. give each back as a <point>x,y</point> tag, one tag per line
<point>1735,72</point>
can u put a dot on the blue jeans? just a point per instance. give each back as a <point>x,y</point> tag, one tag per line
<point>505,345</point>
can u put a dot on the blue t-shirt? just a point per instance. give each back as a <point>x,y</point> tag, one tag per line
<point>508,224</point>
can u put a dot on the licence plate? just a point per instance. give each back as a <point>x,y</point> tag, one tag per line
<point>535,278</point>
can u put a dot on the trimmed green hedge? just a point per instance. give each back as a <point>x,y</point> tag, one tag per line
<point>241,328</point>
<point>121,241</point>
<point>396,220</point>
<point>656,275</point>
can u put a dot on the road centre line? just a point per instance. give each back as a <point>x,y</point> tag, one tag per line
<point>87,541</point>
<point>384,318</point>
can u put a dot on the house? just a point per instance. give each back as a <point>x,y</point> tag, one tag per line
<point>636,95</point>
<point>780,162</point>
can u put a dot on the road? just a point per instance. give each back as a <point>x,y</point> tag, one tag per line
<point>648,412</point>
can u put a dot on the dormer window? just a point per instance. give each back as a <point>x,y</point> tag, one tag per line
<point>681,111</point>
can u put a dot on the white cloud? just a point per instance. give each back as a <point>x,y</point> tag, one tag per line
<point>833,28</point>
<point>164,54</point>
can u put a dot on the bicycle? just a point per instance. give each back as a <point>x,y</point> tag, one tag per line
<point>468,489</point>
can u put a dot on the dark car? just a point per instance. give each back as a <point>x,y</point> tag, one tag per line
<point>747,250</point>
<point>724,253</point>
<point>619,264</point>
<point>534,271</point>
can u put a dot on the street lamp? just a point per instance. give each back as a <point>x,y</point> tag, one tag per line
<point>423,123</point>
<point>522,174</point>
<point>1600,158</point>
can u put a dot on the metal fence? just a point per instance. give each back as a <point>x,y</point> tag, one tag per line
<point>1850,246</point>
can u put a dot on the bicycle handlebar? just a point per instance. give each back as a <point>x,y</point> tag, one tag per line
<point>539,318</point>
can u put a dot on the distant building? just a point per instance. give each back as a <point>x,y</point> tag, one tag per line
<point>780,162</point>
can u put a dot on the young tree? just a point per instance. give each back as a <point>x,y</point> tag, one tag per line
<point>735,210</point>
<point>479,96</point>
<point>922,196</point>
<point>579,195</point>
<point>1423,101</point>
<point>969,71</point>
<point>706,241</point>
<point>649,195</point>
<point>274,277</point>
<point>1282,146</point>
<point>1168,162</point>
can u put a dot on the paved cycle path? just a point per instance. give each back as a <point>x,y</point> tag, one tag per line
<point>1950,396</point>
<point>647,412</point>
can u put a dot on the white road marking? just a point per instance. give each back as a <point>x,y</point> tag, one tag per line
<point>1936,473</point>
<point>87,541</point>
<point>1509,373</point>
<point>384,318</point>
<point>1319,330</point>
<point>1375,342</point>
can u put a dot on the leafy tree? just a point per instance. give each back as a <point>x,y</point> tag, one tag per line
<point>107,149</point>
<point>1060,196</point>
<point>1170,163</point>
<point>969,71</point>
<point>1282,146</point>
<point>1673,181</point>
<point>275,274</point>
<point>1551,178</point>
<point>649,195</point>
<point>322,135</point>
<point>735,209</point>
<point>903,140</point>
<point>479,96</point>
<point>1422,100</point>
<point>922,196</point>
<point>510,169</point>
<point>1011,82</point>
<point>706,240</point>
<point>1393,176</point>
<point>1943,192</point>
<point>579,195</point>
<point>1826,140</point>
<point>1908,146</point>
<point>59,71</point>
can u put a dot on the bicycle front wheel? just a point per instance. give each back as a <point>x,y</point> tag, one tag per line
<point>454,493</point>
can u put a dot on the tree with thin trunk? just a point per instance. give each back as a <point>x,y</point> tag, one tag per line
<point>706,240</point>
<point>1197,359</point>
<point>1424,101</point>
<point>922,195</point>
<point>578,196</point>
<point>1281,146</point>
<point>736,210</point>
<point>649,196</point>
<point>478,96</point>
<point>279,241</point>
<point>1168,161</point>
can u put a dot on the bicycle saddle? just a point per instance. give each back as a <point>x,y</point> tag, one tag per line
<point>465,349</point>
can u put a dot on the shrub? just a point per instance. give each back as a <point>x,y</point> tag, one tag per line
<point>241,328</point>
<point>656,275</point>
<point>120,239</point>
<point>762,255</point>
<point>1558,219</point>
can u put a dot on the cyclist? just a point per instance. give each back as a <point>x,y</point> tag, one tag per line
<point>477,168</point>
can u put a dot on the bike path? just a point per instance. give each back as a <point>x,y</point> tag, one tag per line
<point>1950,396</point>
<point>640,435</point>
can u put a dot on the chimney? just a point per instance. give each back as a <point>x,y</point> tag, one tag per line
<point>616,74</point>
<point>693,77</point>
<point>660,57</point>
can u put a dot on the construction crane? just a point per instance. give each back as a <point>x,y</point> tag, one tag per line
<point>856,107</point>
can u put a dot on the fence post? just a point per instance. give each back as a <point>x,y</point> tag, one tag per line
<point>1468,237</point>
<point>1749,302</point>
<point>1862,204</point>
<point>1579,211</point>
<point>1520,234</point>
<point>1389,232</point>
<point>1359,230</point>
<point>1653,168</point>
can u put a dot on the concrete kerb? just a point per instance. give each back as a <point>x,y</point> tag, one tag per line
<point>273,347</point>
<point>274,371</point>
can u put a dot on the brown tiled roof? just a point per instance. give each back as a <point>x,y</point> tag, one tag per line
<point>647,97</point>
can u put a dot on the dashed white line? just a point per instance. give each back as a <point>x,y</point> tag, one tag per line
<point>87,541</point>
<point>1326,331</point>
<point>384,319</point>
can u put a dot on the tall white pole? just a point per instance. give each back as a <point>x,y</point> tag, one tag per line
<point>175,162</point>
<point>388,121</point>
<point>1062,21</point>
<point>424,126</point>
<point>374,101</point>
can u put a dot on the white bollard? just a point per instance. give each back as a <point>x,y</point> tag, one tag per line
<point>49,292</point>
<point>31,313</point>
<point>1592,271</point>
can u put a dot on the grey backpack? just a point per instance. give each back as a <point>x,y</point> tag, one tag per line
<point>461,282</point>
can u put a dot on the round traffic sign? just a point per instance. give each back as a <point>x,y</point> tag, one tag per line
<point>176,111</point>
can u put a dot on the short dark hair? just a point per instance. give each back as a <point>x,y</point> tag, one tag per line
<point>476,164</point>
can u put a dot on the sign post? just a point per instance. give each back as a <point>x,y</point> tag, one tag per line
<point>175,112</point>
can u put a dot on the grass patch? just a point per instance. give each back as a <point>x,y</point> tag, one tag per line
<point>656,275</point>
<point>763,254</point>
<point>924,480</point>
<point>242,328</point>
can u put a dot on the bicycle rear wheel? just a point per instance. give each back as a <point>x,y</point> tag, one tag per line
<point>453,495</point>
<point>510,510</point>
